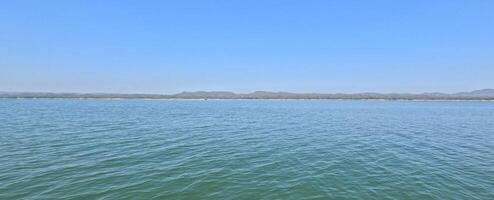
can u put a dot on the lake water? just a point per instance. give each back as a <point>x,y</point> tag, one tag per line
<point>246,149</point>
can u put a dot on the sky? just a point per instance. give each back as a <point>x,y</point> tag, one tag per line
<point>246,45</point>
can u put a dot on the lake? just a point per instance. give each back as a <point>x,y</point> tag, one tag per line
<point>246,149</point>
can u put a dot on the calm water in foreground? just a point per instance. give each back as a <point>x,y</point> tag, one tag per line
<point>246,149</point>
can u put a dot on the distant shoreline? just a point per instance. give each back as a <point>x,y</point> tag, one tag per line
<point>477,95</point>
<point>214,99</point>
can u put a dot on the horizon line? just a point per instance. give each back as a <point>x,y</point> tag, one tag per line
<point>244,93</point>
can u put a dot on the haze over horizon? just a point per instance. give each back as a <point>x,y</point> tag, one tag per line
<point>246,46</point>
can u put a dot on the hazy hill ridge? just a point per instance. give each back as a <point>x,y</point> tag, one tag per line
<point>484,94</point>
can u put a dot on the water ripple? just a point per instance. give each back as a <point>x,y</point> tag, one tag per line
<point>246,149</point>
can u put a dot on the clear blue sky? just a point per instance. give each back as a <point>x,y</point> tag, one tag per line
<point>243,46</point>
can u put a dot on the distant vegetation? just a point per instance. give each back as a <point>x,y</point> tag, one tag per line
<point>485,94</point>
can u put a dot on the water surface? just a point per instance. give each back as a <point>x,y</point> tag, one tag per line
<point>246,149</point>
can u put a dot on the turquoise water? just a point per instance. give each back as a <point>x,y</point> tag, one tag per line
<point>246,149</point>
